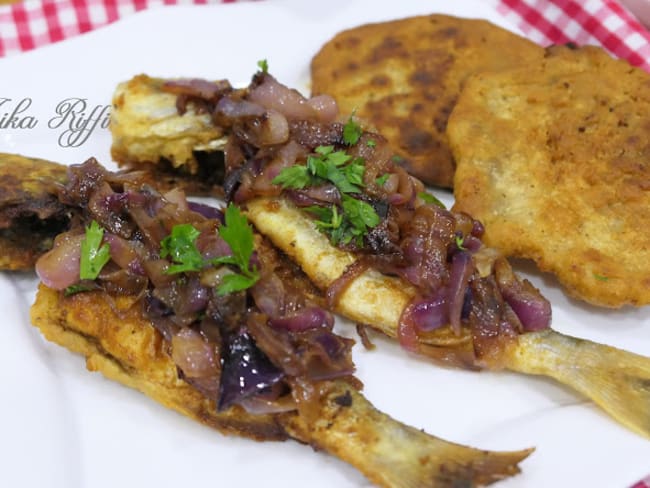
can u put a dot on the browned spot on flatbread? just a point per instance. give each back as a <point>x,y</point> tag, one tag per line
<point>408,74</point>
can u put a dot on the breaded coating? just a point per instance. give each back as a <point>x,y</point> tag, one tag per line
<point>553,159</point>
<point>28,207</point>
<point>404,76</point>
<point>118,342</point>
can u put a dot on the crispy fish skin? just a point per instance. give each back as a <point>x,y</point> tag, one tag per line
<point>145,127</point>
<point>118,342</point>
<point>295,234</point>
<point>28,204</point>
<point>551,158</point>
<point>616,380</point>
<point>404,76</point>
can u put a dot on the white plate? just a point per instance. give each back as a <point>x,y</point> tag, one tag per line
<point>63,427</point>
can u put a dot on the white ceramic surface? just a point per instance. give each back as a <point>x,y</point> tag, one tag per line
<point>64,427</point>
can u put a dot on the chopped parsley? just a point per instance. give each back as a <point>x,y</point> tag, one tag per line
<point>78,288</point>
<point>429,198</point>
<point>180,245</point>
<point>600,277</point>
<point>326,165</point>
<point>354,217</point>
<point>94,255</point>
<point>352,224</point>
<point>371,143</point>
<point>351,131</point>
<point>238,234</point>
<point>381,180</point>
<point>460,240</point>
<point>263,65</point>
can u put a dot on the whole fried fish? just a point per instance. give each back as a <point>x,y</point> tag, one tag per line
<point>179,337</point>
<point>616,380</point>
<point>29,206</point>
<point>403,77</point>
<point>552,159</point>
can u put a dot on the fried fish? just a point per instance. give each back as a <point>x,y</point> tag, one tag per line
<point>616,380</point>
<point>29,206</point>
<point>403,77</point>
<point>552,159</point>
<point>198,341</point>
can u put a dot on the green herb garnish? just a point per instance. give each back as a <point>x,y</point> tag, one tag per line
<point>352,223</point>
<point>381,180</point>
<point>263,65</point>
<point>180,245</point>
<point>429,198</point>
<point>351,131</point>
<point>600,277</point>
<point>93,255</point>
<point>238,234</point>
<point>355,217</point>
<point>371,143</point>
<point>326,165</point>
<point>460,240</point>
<point>78,288</point>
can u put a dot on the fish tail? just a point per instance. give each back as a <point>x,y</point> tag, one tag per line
<point>394,455</point>
<point>616,380</point>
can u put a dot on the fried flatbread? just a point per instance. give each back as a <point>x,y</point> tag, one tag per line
<point>28,207</point>
<point>404,76</point>
<point>553,159</point>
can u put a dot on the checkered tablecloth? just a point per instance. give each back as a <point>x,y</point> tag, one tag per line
<point>34,23</point>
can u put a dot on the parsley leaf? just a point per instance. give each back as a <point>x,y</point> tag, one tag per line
<point>351,131</point>
<point>295,177</point>
<point>239,236</point>
<point>429,198</point>
<point>381,180</point>
<point>371,143</point>
<point>180,245</point>
<point>93,255</point>
<point>263,65</point>
<point>460,240</point>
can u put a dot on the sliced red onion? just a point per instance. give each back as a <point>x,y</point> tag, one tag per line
<point>325,106</point>
<point>428,313</point>
<point>533,311</point>
<point>459,276</point>
<point>274,95</point>
<point>304,319</point>
<point>246,371</point>
<point>193,354</point>
<point>235,109</point>
<point>207,211</point>
<point>59,267</point>
<point>200,88</point>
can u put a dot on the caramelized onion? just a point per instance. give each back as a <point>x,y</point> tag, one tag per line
<point>59,267</point>
<point>193,354</point>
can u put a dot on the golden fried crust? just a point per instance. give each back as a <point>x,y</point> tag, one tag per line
<point>27,197</point>
<point>117,341</point>
<point>553,160</point>
<point>404,76</point>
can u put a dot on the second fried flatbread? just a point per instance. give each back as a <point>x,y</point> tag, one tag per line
<point>554,159</point>
<point>404,77</point>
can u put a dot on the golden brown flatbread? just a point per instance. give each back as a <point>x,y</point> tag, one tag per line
<point>554,159</point>
<point>404,76</point>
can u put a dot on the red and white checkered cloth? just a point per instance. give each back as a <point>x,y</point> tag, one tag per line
<point>34,23</point>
